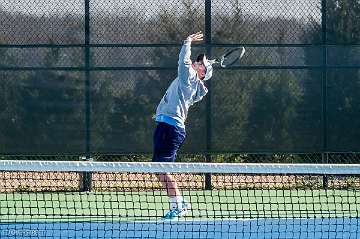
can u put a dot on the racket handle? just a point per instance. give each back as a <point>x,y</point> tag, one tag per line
<point>212,61</point>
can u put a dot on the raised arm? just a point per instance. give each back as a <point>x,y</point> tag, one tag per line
<point>185,54</point>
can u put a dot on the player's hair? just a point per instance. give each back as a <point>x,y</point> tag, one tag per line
<point>200,57</point>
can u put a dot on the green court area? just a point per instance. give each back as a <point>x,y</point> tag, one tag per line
<point>151,205</point>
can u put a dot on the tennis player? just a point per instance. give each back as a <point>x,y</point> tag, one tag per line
<point>187,89</point>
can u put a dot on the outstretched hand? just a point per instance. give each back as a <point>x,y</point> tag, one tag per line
<point>199,36</point>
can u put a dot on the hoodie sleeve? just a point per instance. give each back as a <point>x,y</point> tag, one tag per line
<point>201,91</point>
<point>209,71</point>
<point>184,63</point>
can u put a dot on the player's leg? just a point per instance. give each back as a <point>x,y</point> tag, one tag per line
<point>167,141</point>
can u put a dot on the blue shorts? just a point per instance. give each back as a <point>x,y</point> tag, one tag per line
<point>167,141</point>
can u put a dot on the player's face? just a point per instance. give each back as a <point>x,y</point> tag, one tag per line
<point>200,69</point>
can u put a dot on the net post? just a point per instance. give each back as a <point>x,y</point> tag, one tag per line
<point>324,158</point>
<point>86,177</point>
<point>86,182</point>
<point>208,183</point>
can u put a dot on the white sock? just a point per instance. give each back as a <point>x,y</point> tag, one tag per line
<point>176,202</point>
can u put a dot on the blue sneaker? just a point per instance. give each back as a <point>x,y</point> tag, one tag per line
<point>178,212</point>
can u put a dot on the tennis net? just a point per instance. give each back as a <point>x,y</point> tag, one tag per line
<point>56,199</point>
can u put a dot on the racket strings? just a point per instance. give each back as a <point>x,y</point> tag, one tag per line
<point>230,57</point>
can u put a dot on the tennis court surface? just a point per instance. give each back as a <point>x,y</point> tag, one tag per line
<point>44,199</point>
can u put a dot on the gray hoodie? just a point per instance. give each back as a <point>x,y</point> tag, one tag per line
<point>185,90</point>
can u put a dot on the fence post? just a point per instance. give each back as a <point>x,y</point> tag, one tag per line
<point>208,183</point>
<point>324,155</point>
<point>87,177</point>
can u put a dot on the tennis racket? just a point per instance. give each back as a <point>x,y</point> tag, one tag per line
<point>229,57</point>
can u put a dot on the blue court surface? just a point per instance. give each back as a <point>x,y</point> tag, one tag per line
<point>220,228</point>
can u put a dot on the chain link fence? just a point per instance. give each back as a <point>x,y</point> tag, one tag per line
<point>83,79</point>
